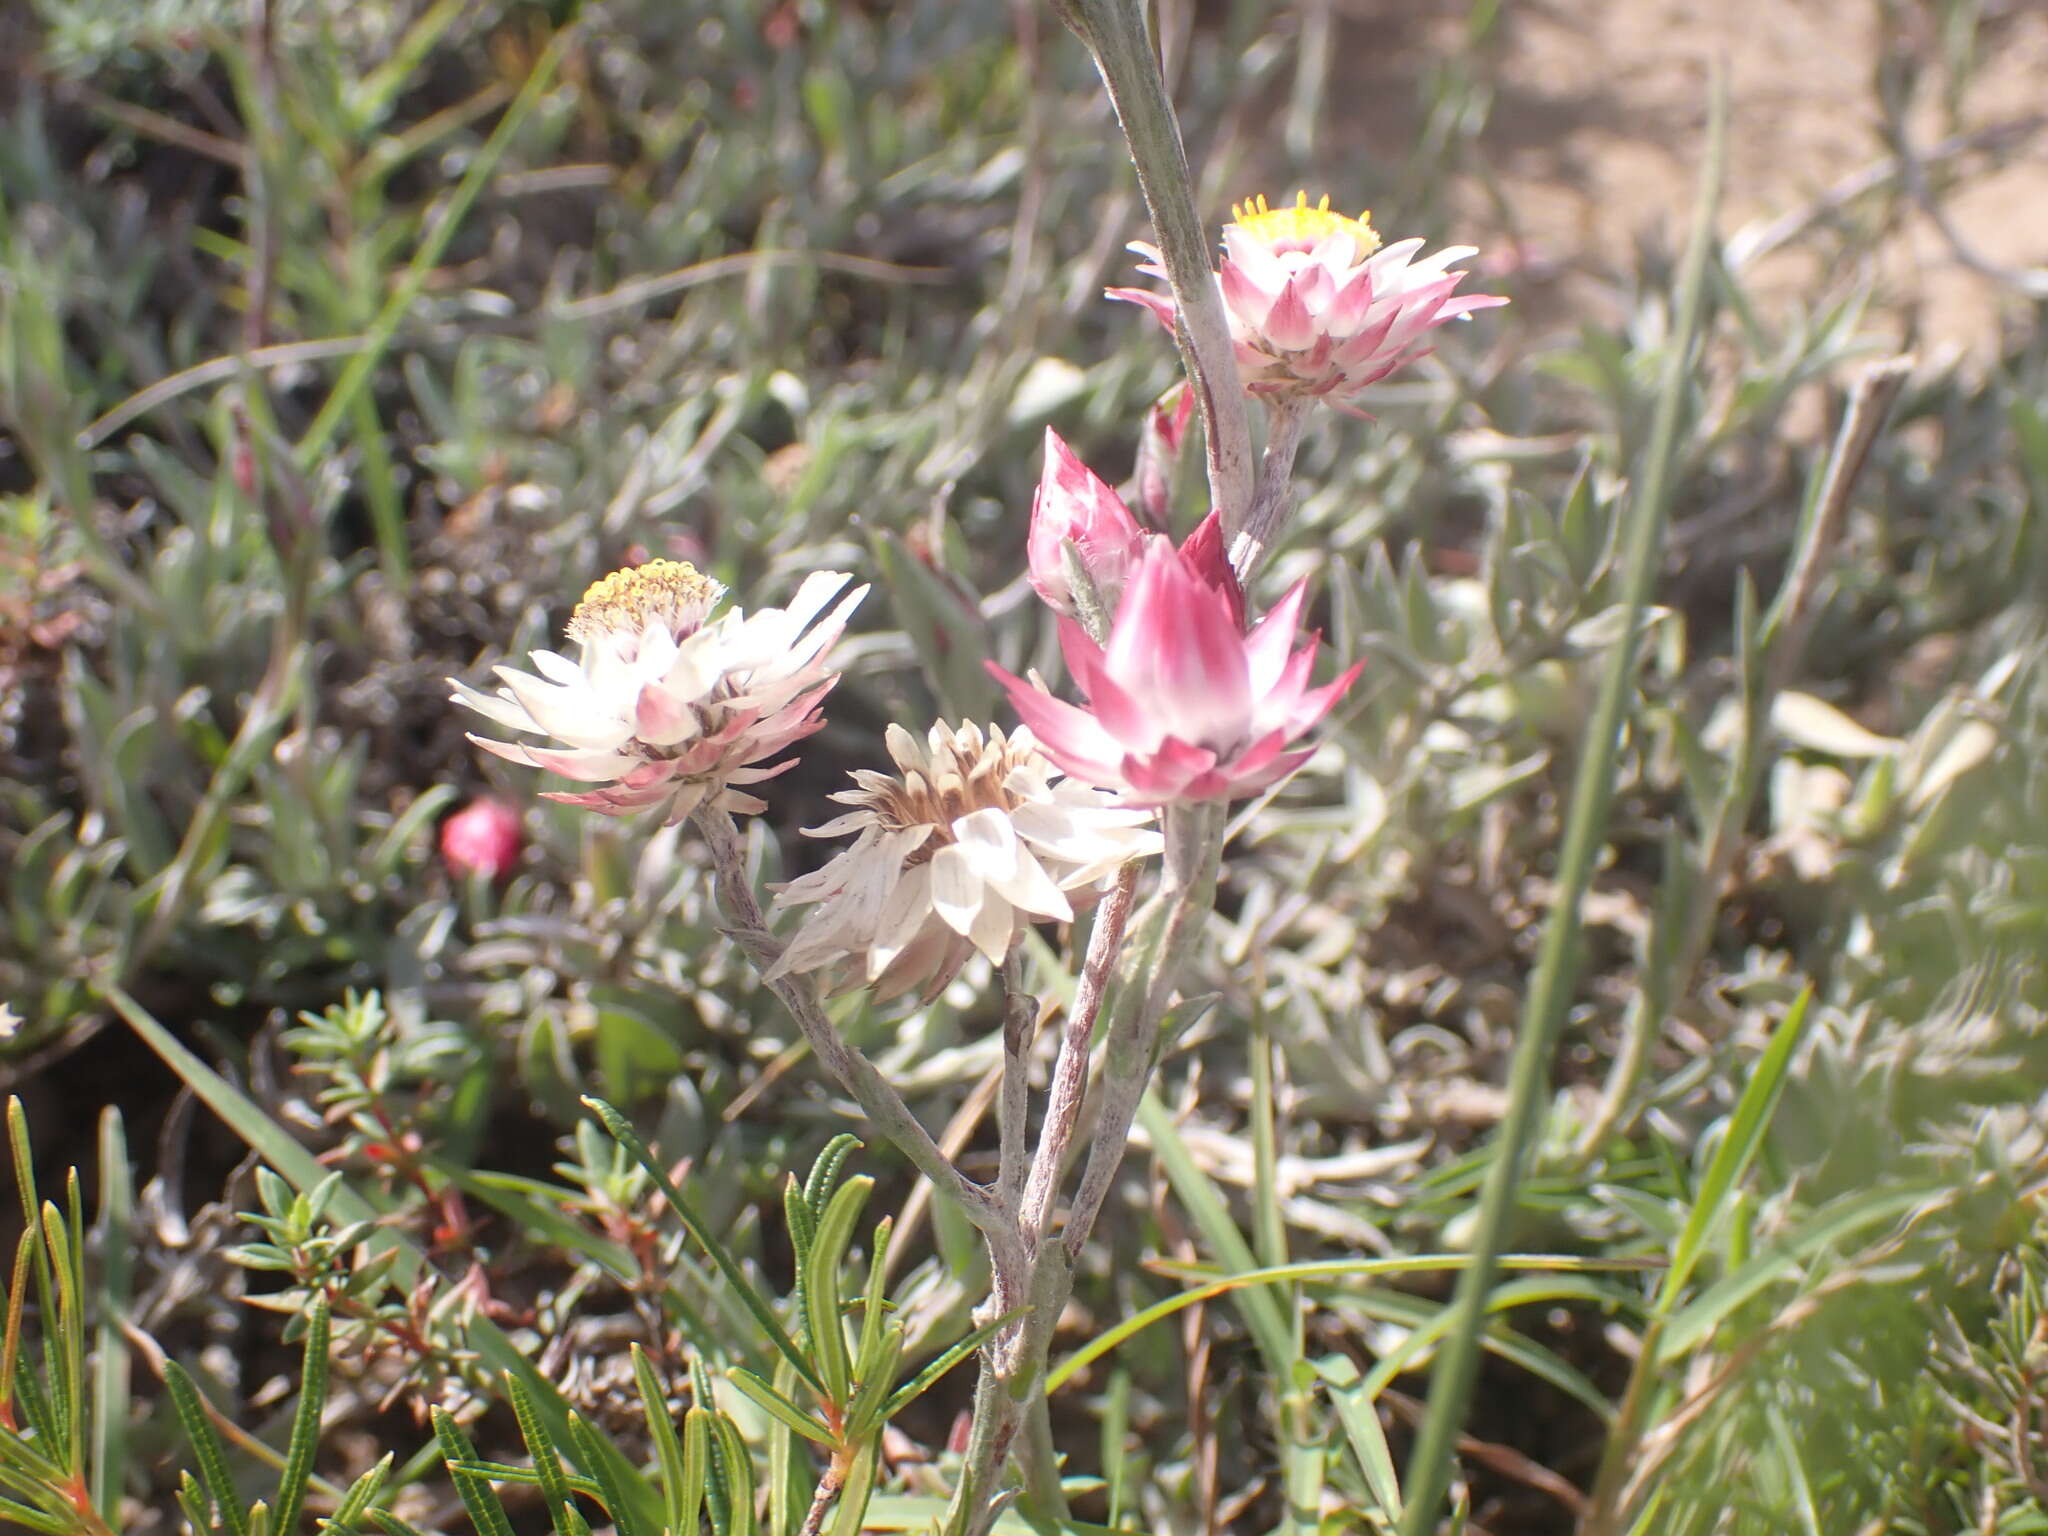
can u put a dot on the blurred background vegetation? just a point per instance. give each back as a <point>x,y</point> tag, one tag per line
<point>341,346</point>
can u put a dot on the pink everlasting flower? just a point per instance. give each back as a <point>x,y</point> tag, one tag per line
<point>1316,306</point>
<point>483,838</point>
<point>1182,703</point>
<point>669,707</point>
<point>1072,506</point>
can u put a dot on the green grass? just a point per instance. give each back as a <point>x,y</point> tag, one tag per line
<point>787,288</point>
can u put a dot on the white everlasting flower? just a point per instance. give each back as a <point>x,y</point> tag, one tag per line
<point>10,1022</point>
<point>976,836</point>
<point>667,707</point>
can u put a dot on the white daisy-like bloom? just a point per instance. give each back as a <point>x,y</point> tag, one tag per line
<point>975,837</point>
<point>667,707</point>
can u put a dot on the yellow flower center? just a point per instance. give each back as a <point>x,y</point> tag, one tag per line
<point>670,592</point>
<point>1302,226</point>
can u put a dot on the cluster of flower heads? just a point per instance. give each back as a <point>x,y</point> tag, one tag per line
<point>674,706</point>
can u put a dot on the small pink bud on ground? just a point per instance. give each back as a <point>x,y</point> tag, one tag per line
<point>483,838</point>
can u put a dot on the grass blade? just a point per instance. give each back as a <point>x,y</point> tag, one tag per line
<point>1746,1128</point>
<point>1551,989</point>
<point>693,1223</point>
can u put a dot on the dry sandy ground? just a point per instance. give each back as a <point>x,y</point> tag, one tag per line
<point>1597,128</point>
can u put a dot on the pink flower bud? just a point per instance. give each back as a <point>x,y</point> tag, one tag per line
<point>483,838</point>
<point>1166,427</point>
<point>1073,506</point>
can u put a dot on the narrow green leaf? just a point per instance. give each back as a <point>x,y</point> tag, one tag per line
<point>478,1497</point>
<point>207,1449</point>
<point>110,1374</point>
<point>1360,1421</point>
<point>696,1469</point>
<point>1745,1134</point>
<point>193,1501</point>
<point>778,1407</point>
<point>874,1305</point>
<point>305,1441</point>
<point>547,1465</point>
<point>693,1223</point>
<point>34,1520</point>
<point>1116,1435</point>
<point>863,1414</point>
<point>825,1172</point>
<point>789,1465</point>
<point>661,1431</point>
<point>32,1242</point>
<point>356,1502</point>
<point>590,1449</point>
<point>66,1353</point>
<point>42,1415</point>
<point>738,1467</point>
<point>916,1387</point>
<point>802,1224</point>
<point>822,1288</point>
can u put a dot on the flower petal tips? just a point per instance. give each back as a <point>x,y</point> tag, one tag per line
<point>1183,705</point>
<point>1317,306</point>
<point>668,708</point>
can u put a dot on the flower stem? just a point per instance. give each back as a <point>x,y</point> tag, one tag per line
<point>1070,1067</point>
<point>1194,848</point>
<point>859,1076</point>
<point>1013,1107</point>
<point>1115,33</point>
<point>1284,418</point>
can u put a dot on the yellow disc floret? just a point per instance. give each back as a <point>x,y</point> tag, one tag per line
<point>670,592</point>
<point>1303,226</point>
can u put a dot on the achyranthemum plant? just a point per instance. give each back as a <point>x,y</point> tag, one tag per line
<point>668,707</point>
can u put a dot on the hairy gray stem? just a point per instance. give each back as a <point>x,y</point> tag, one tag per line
<point>1115,33</point>
<point>1271,501</point>
<point>1013,1107</point>
<point>1194,848</point>
<point>1070,1068</point>
<point>859,1076</point>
